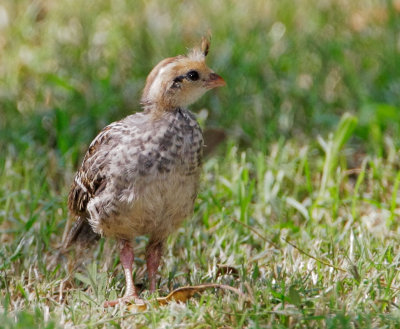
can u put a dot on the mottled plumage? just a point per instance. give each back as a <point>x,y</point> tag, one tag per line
<point>124,184</point>
<point>140,174</point>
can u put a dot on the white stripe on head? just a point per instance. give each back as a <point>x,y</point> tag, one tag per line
<point>156,86</point>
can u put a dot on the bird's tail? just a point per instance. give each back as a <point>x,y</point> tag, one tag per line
<point>79,232</point>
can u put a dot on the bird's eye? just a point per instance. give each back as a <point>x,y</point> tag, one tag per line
<point>193,75</point>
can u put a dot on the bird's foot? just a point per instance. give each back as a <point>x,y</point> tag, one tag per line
<point>131,299</point>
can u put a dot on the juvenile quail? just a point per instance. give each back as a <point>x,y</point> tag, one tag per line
<point>141,174</point>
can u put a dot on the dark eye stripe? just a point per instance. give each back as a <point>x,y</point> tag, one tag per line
<point>193,75</point>
<point>179,79</point>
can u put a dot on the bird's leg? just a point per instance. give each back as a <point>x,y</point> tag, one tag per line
<point>126,257</point>
<point>153,256</point>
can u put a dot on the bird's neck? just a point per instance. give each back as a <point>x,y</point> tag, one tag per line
<point>157,111</point>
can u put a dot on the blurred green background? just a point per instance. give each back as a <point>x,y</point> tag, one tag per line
<point>67,68</point>
<point>293,68</point>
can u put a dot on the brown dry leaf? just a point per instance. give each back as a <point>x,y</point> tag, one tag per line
<point>137,308</point>
<point>182,294</point>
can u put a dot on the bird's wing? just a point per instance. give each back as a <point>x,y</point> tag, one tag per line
<point>89,181</point>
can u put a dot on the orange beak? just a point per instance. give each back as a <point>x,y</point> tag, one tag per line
<point>214,81</point>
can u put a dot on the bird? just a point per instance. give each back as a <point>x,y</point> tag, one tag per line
<point>140,175</point>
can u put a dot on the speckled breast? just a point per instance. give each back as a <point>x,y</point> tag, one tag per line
<point>176,144</point>
<point>164,189</point>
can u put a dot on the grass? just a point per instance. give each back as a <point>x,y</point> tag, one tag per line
<point>301,199</point>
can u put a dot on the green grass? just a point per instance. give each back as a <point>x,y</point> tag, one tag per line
<point>302,199</point>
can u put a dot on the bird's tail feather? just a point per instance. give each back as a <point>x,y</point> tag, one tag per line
<point>79,232</point>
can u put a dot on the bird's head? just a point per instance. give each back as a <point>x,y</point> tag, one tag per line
<point>179,81</point>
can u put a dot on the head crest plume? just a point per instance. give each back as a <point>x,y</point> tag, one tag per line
<point>199,53</point>
<point>205,45</point>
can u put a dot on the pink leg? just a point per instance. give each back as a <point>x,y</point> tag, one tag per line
<point>126,258</point>
<point>153,256</point>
